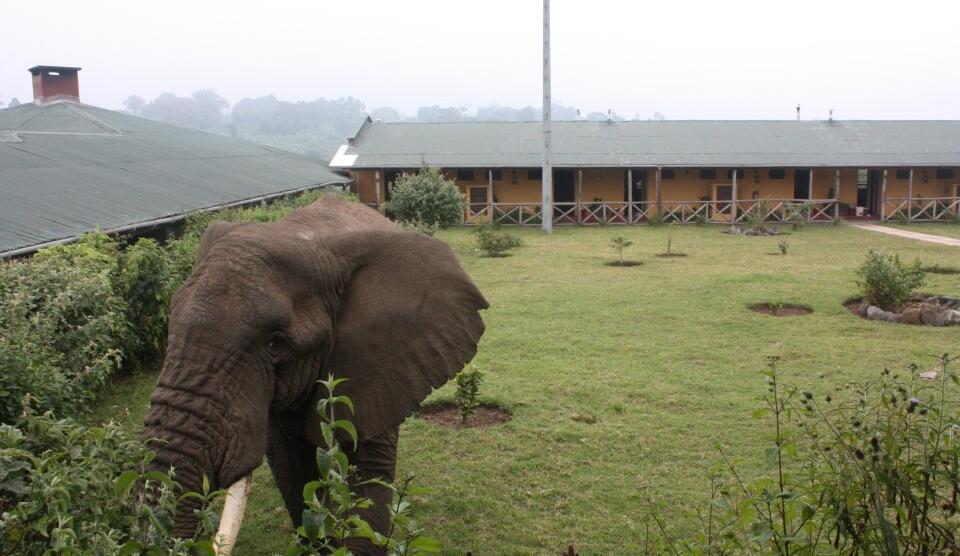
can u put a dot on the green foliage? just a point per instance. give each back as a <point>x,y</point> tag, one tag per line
<point>670,229</point>
<point>494,242</point>
<point>619,243</point>
<point>885,282</point>
<point>875,473</point>
<point>468,388</point>
<point>146,283</point>
<point>783,246</point>
<point>798,214</point>
<point>757,219</point>
<point>419,226</point>
<point>655,219</point>
<point>330,520</point>
<point>70,489</point>
<point>428,197</point>
<point>63,326</point>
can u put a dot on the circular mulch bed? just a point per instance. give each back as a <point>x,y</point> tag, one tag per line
<point>623,263</point>
<point>670,255</point>
<point>781,309</point>
<point>447,414</point>
<point>937,269</point>
<point>921,309</point>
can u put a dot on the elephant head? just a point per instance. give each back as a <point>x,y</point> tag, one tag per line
<point>269,309</point>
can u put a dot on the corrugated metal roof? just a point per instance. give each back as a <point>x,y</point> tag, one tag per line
<point>656,143</point>
<point>68,168</point>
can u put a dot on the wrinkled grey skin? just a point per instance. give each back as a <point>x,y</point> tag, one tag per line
<point>269,309</point>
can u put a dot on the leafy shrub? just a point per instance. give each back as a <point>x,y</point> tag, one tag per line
<point>655,219</point>
<point>330,521</point>
<point>757,219</point>
<point>419,226</point>
<point>783,246</point>
<point>146,285</point>
<point>619,243</point>
<point>70,489</point>
<point>495,243</point>
<point>63,326</point>
<point>426,196</point>
<point>885,282</point>
<point>875,473</point>
<point>468,388</point>
<point>798,214</point>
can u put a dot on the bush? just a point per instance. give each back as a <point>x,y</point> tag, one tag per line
<point>146,285</point>
<point>798,214</point>
<point>875,473</point>
<point>70,489</point>
<point>468,388</point>
<point>419,226</point>
<point>620,243</point>
<point>495,243</point>
<point>63,326</point>
<point>426,196</point>
<point>885,282</point>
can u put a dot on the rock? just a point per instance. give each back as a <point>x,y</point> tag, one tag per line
<point>952,316</point>
<point>911,316</point>
<point>932,317</point>
<point>890,317</point>
<point>930,375</point>
<point>874,313</point>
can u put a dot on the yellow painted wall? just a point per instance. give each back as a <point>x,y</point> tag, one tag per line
<point>607,184</point>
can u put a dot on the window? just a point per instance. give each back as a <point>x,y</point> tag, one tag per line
<point>535,174</point>
<point>708,174</point>
<point>777,174</point>
<point>944,173</point>
<point>740,173</point>
<point>903,173</point>
<point>464,175</point>
<point>497,175</point>
<point>666,174</point>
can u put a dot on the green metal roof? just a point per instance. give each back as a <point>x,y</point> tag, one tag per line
<point>678,143</point>
<point>68,168</point>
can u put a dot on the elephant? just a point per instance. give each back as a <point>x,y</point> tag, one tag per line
<point>271,308</point>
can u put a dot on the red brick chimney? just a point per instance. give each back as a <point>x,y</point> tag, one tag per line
<point>55,83</point>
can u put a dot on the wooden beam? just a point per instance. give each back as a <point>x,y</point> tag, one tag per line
<point>733,204</point>
<point>883,196</point>
<point>490,196</point>
<point>377,182</point>
<point>836,194</point>
<point>910,197</point>
<point>659,194</point>
<point>810,185</point>
<point>579,196</point>
<point>630,196</point>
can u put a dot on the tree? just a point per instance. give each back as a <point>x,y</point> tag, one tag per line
<point>386,114</point>
<point>134,104</point>
<point>14,102</point>
<point>619,243</point>
<point>426,197</point>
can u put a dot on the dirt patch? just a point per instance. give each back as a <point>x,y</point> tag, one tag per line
<point>781,309</point>
<point>623,263</point>
<point>854,305</point>
<point>937,269</point>
<point>670,255</point>
<point>447,414</point>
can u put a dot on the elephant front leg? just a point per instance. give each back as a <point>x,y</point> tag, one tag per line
<point>292,460</point>
<point>375,458</point>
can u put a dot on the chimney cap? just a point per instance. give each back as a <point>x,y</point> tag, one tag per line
<point>37,69</point>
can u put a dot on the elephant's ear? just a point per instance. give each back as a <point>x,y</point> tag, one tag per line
<point>212,234</point>
<point>408,322</point>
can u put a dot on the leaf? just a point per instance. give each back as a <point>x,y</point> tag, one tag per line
<point>312,525</point>
<point>347,426</point>
<point>131,547</point>
<point>125,482</point>
<point>425,544</point>
<point>323,462</point>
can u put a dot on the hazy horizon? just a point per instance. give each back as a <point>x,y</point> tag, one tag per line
<point>685,60</point>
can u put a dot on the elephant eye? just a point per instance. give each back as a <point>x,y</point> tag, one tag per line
<point>277,345</point>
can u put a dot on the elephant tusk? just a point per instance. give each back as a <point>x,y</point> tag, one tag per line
<point>232,517</point>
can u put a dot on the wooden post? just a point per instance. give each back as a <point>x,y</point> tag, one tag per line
<point>810,185</point>
<point>630,196</point>
<point>733,204</point>
<point>579,196</point>
<point>883,196</point>
<point>490,196</point>
<point>659,195</point>
<point>546,184</point>
<point>910,197</point>
<point>836,194</point>
<point>377,182</point>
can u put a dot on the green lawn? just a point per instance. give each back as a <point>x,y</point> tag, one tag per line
<point>936,228</point>
<point>665,356</point>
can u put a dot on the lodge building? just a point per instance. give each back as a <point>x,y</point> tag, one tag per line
<point>616,172</point>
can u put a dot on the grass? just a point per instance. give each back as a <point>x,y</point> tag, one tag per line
<point>663,359</point>
<point>944,229</point>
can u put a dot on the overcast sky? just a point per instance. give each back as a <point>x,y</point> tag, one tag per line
<point>684,59</point>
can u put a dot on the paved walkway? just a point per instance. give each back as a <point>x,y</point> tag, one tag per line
<point>929,238</point>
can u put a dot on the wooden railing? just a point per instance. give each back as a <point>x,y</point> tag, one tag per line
<point>622,212</point>
<point>929,209</point>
